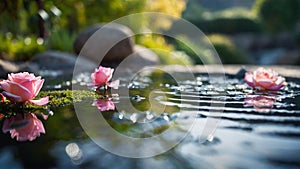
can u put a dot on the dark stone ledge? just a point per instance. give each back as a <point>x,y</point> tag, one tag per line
<point>287,71</point>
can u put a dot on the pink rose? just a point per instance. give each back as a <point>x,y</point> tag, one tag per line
<point>104,104</point>
<point>102,76</point>
<point>23,87</point>
<point>23,126</point>
<point>260,103</point>
<point>265,79</point>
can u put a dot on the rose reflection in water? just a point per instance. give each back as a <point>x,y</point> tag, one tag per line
<point>104,104</point>
<point>260,103</point>
<point>23,126</point>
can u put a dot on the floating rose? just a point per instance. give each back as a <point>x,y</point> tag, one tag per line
<point>23,126</point>
<point>104,104</point>
<point>23,87</point>
<point>102,76</point>
<point>265,79</point>
<point>260,103</point>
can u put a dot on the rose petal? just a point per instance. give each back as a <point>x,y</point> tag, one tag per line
<point>41,101</point>
<point>6,125</point>
<point>28,84</point>
<point>276,87</point>
<point>93,77</point>
<point>12,97</point>
<point>249,79</point>
<point>280,80</point>
<point>114,84</point>
<point>5,85</point>
<point>104,104</point>
<point>19,90</point>
<point>38,86</point>
<point>264,84</point>
<point>44,116</point>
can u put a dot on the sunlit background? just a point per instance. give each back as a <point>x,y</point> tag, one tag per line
<point>264,32</point>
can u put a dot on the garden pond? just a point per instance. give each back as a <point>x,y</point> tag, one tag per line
<point>249,129</point>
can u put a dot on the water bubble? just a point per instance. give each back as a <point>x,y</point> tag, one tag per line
<point>74,152</point>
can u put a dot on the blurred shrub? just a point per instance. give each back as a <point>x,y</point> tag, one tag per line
<point>198,53</point>
<point>165,51</point>
<point>277,15</point>
<point>193,10</point>
<point>20,48</point>
<point>169,7</point>
<point>61,40</point>
<point>228,52</point>
<point>226,49</point>
<point>228,25</point>
<point>229,21</point>
<point>74,15</point>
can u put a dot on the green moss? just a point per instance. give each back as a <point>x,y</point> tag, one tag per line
<point>67,97</point>
<point>56,99</point>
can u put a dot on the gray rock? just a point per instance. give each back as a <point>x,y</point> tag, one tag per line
<point>141,58</point>
<point>113,39</point>
<point>61,61</point>
<point>290,57</point>
<point>7,67</point>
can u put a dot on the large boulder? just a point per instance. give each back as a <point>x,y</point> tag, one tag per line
<point>115,41</point>
<point>7,67</point>
<point>140,59</point>
<point>62,62</point>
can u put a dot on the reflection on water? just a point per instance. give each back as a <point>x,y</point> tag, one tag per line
<point>260,130</point>
<point>261,103</point>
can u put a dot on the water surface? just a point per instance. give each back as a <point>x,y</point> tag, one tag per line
<point>256,130</point>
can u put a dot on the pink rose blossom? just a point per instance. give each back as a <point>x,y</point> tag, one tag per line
<point>23,87</point>
<point>104,104</point>
<point>102,76</point>
<point>265,79</point>
<point>23,126</point>
<point>260,103</point>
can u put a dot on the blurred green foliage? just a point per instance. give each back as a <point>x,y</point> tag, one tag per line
<point>228,21</point>
<point>20,48</point>
<point>164,50</point>
<point>228,52</point>
<point>61,40</point>
<point>277,15</point>
<point>228,25</point>
<point>198,53</point>
<point>225,48</point>
<point>74,15</point>
<point>62,20</point>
